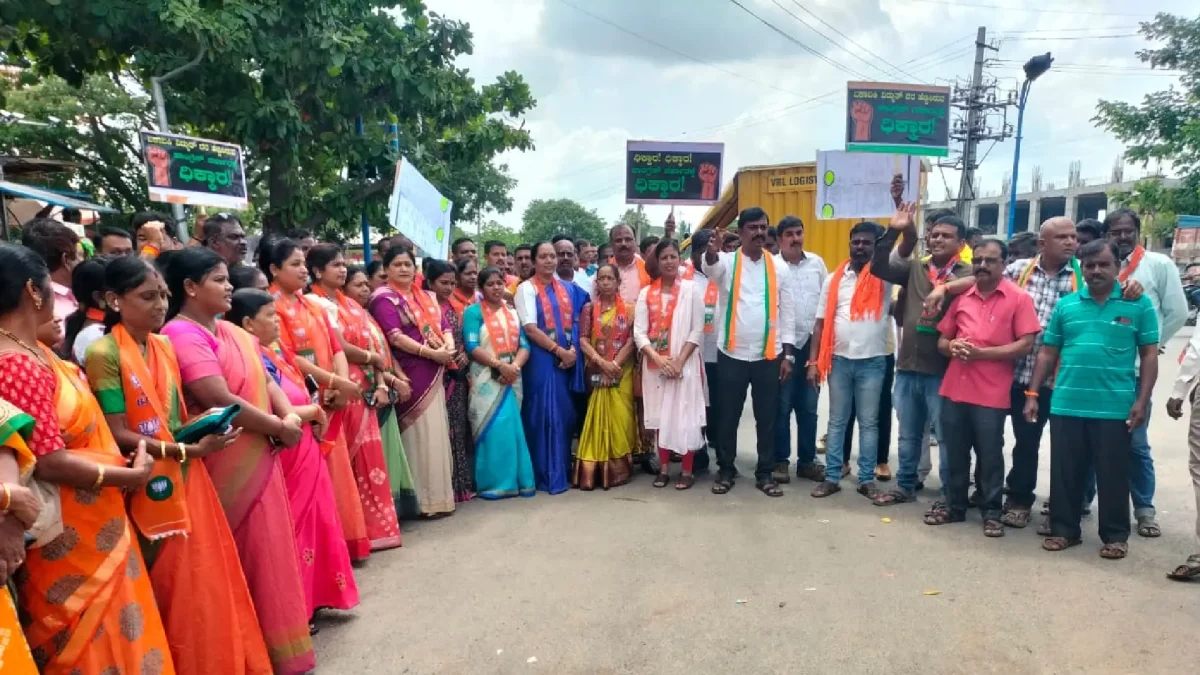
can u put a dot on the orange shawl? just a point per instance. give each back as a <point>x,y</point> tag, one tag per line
<point>15,428</point>
<point>160,509</point>
<point>865,304</point>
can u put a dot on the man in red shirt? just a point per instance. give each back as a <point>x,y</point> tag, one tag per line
<point>984,332</point>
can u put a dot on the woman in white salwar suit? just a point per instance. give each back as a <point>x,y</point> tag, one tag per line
<point>668,330</point>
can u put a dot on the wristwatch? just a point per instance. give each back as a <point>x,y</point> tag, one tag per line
<point>791,358</point>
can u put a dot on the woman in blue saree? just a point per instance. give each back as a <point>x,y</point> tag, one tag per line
<point>498,348</point>
<point>548,312</point>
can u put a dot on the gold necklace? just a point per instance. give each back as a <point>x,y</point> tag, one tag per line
<point>37,353</point>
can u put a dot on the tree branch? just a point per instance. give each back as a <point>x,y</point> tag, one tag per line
<point>363,194</point>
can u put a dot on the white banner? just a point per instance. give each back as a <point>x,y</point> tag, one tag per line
<point>859,184</point>
<point>418,211</point>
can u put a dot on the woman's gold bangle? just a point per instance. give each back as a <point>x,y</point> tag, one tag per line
<point>182,453</point>
<point>7,498</point>
<point>99,477</point>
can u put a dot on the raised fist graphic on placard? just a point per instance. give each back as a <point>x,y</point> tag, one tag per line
<point>862,112</point>
<point>708,181</point>
<point>160,165</point>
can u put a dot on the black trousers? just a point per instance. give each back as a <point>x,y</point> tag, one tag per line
<point>1077,443</point>
<point>762,378</point>
<point>1022,477</point>
<point>885,417</point>
<point>700,462</point>
<point>966,427</point>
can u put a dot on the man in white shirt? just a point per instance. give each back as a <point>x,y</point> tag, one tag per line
<point>567,269</point>
<point>806,274</point>
<point>1160,282</point>
<point>755,343</point>
<point>1189,368</point>
<point>852,354</point>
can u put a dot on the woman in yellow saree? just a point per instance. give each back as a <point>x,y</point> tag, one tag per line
<point>85,592</point>
<point>609,433</point>
<point>20,509</point>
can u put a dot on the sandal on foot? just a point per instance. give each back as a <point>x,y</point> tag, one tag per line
<point>868,490</point>
<point>943,517</point>
<point>825,488</point>
<point>722,486</point>
<point>1018,517</point>
<point>896,496</point>
<point>686,481</point>
<point>993,528</point>
<point>1188,571</point>
<point>1060,543</point>
<point>1148,527</point>
<point>661,480</point>
<point>769,488</point>
<point>1114,550</point>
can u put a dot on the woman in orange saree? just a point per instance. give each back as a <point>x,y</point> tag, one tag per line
<point>84,591</point>
<point>327,267</point>
<point>188,547</point>
<point>306,334</point>
<point>20,509</point>
<point>219,365</point>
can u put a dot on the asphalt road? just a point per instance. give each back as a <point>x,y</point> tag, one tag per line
<point>639,580</point>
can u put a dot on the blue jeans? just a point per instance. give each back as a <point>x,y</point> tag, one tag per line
<point>857,383</point>
<point>918,404</point>
<point>797,395</point>
<point>1141,471</point>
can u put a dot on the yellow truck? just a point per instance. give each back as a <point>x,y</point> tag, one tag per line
<point>785,190</point>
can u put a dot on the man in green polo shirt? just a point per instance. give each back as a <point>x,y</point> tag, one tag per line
<point>1101,394</point>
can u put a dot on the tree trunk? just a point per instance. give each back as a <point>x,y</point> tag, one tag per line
<point>279,186</point>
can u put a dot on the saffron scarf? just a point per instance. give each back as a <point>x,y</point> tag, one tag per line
<point>660,316</point>
<point>561,301</point>
<point>735,291</point>
<point>160,509</point>
<point>304,328</point>
<point>504,333</point>
<point>1135,259</point>
<point>1076,276</point>
<point>460,301</point>
<point>609,338</point>
<point>866,304</point>
<point>426,314</point>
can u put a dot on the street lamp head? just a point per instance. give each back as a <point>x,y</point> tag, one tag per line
<point>1037,65</point>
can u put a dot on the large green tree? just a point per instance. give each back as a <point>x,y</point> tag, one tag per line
<point>1165,127</point>
<point>545,218</point>
<point>289,81</point>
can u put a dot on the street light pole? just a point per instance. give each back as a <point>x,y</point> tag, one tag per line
<point>160,107</point>
<point>1034,68</point>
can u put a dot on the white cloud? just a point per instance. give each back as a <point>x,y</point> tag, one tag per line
<point>597,86</point>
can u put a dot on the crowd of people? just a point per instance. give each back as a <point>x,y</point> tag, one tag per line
<point>365,397</point>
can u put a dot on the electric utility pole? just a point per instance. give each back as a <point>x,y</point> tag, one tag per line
<point>980,103</point>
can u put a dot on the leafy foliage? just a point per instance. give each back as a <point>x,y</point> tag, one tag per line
<point>93,125</point>
<point>636,220</point>
<point>1166,126</point>
<point>288,81</point>
<point>545,218</point>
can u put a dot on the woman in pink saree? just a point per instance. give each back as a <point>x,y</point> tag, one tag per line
<point>220,365</point>
<point>324,561</point>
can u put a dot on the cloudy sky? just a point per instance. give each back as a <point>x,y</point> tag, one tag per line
<point>769,80</point>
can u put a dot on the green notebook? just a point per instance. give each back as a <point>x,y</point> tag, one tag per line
<point>212,421</point>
